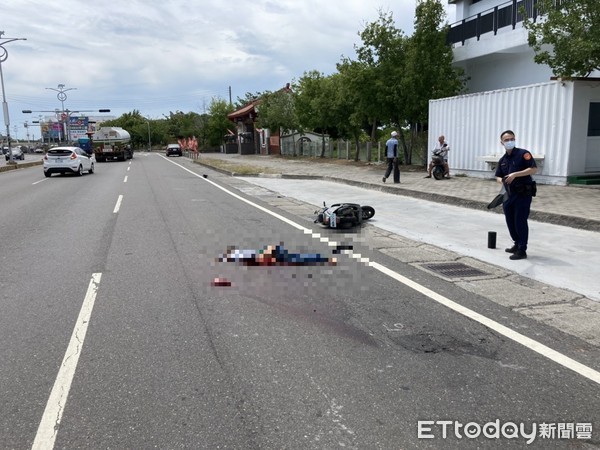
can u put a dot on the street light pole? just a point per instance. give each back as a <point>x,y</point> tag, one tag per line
<point>41,129</point>
<point>62,97</point>
<point>3,58</point>
<point>26,125</point>
<point>149,141</point>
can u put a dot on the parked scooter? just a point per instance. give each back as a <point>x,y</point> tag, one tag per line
<point>343,215</point>
<point>439,170</point>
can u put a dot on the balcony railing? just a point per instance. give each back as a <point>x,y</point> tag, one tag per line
<point>505,15</point>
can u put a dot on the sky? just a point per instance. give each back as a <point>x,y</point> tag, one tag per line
<point>162,56</point>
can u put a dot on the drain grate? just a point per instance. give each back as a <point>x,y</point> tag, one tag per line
<point>455,270</point>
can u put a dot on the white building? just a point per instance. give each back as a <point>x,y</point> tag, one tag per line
<point>558,121</point>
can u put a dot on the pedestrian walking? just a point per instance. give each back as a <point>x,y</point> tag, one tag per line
<point>514,171</point>
<point>391,153</point>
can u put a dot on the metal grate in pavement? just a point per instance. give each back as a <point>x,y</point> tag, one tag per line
<point>455,270</point>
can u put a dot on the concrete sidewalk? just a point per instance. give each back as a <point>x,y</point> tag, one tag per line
<point>572,206</point>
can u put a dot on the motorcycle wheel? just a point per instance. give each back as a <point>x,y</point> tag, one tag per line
<point>438,172</point>
<point>367,212</point>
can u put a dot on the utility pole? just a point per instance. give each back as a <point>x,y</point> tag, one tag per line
<point>3,58</point>
<point>61,98</point>
<point>26,125</point>
<point>149,140</point>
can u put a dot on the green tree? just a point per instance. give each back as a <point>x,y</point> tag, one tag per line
<point>371,83</point>
<point>218,124</point>
<point>135,124</point>
<point>348,116</point>
<point>428,73</point>
<point>383,56</point>
<point>314,93</point>
<point>246,100</point>
<point>276,111</point>
<point>184,125</point>
<point>568,38</point>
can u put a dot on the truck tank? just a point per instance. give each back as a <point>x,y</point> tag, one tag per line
<point>112,143</point>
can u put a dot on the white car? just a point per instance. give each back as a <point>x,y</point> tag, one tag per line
<point>68,160</point>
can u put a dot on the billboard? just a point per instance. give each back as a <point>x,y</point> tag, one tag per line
<point>78,127</point>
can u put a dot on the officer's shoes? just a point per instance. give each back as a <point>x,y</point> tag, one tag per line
<point>519,254</point>
<point>513,249</point>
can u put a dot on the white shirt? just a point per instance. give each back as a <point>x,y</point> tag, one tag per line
<point>444,153</point>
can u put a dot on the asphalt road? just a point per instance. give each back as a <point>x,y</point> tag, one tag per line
<point>29,157</point>
<point>113,270</point>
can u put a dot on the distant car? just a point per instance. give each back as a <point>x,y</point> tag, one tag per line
<point>38,150</point>
<point>4,150</point>
<point>68,160</point>
<point>174,149</point>
<point>17,153</point>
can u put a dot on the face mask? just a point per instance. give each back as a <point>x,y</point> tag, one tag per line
<point>509,145</point>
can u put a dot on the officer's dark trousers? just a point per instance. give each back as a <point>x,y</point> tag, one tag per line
<point>516,211</point>
<point>391,165</point>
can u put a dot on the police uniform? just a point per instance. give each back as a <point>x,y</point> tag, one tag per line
<point>520,192</point>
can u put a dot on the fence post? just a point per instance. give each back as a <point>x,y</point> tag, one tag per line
<point>347,151</point>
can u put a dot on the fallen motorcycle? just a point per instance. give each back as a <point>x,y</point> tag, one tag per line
<point>343,215</point>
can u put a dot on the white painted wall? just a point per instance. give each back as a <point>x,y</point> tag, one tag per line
<point>465,9</point>
<point>584,150</point>
<point>549,117</point>
<point>504,70</point>
<point>540,115</point>
<point>497,61</point>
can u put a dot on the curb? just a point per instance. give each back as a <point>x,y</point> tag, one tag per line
<point>20,166</point>
<point>539,216</point>
<point>559,308</point>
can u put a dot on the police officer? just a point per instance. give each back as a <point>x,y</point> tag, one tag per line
<point>391,153</point>
<point>514,170</point>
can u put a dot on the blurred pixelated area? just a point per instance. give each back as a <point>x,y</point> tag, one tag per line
<point>291,269</point>
<point>329,270</point>
<point>275,255</point>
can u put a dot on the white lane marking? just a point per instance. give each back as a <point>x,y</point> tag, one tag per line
<point>519,338</point>
<point>125,179</point>
<point>532,344</point>
<point>118,205</point>
<point>48,428</point>
<point>39,181</point>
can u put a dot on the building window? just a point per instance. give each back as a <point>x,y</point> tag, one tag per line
<point>594,120</point>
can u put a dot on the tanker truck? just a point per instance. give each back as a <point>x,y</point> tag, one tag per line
<point>112,143</point>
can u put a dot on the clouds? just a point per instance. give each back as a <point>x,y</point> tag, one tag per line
<point>165,55</point>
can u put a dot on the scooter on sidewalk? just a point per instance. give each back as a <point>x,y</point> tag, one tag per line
<point>343,215</point>
<point>438,170</point>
